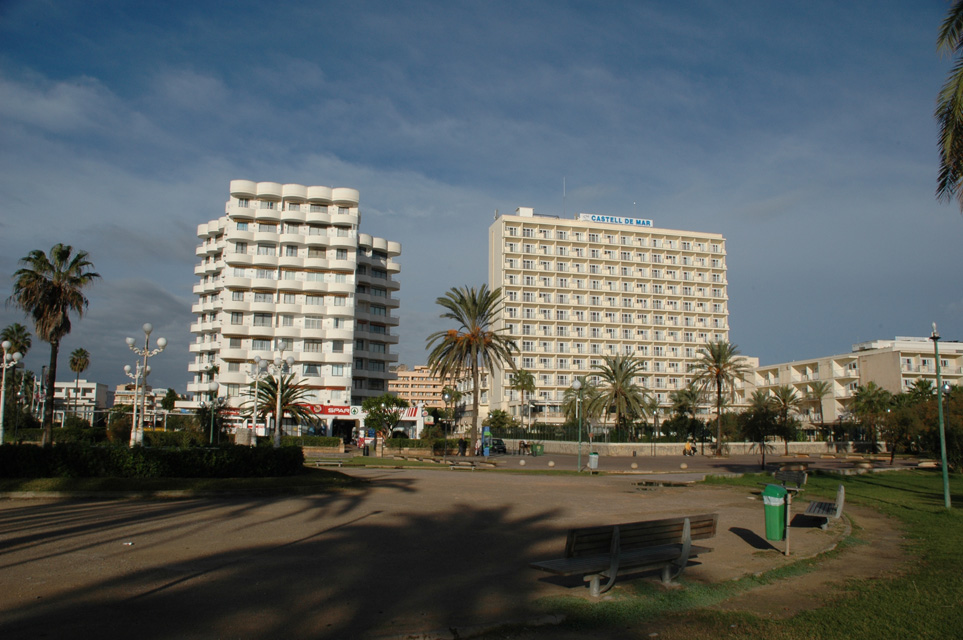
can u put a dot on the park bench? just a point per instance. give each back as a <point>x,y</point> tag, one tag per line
<point>470,466</point>
<point>791,480</point>
<point>827,510</point>
<point>604,551</point>
<point>328,462</point>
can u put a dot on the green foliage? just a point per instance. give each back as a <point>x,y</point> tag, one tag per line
<point>76,460</point>
<point>185,438</point>
<point>309,441</point>
<point>170,399</point>
<point>383,413</point>
<point>498,419</point>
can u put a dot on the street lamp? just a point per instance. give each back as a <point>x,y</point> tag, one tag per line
<point>935,337</point>
<point>446,396</point>
<point>138,373</point>
<point>137,429</point>
<point>276,368</point>
<point>577,385</point>
<point>212,387</point>
<point>258,369</point>
<point>9,360</point>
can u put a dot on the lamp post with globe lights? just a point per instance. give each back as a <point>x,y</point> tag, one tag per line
<point>935,337</point>
<point>577,385</point>
<point>135,373</point>
<point>258,369</point>
<point>9,360</point>
<point>137,429</point>
<point>277,368</point>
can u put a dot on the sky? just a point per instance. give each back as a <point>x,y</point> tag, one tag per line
<point>803,132</point>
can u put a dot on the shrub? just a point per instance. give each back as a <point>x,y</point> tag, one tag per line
<point>305,441</point>
<point>185,438</point>
<point>78,460</point>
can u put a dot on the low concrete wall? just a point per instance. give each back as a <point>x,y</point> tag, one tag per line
<point>675,448</point>
<point>314,452</point>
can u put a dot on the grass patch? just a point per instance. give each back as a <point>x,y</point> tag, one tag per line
<point>311,481</point>
<point>925,602</point>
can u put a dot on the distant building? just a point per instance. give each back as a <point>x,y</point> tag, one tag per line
<point>578,290</point>
<point>894,365</point>
<point>87,400</point>
<point>287,267</point>
<point>418,386</point>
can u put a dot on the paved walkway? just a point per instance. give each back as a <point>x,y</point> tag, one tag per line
<point>413,551</point>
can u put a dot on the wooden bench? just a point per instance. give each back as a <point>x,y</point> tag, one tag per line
<point>827,510</point>
<point>326,462</point>
<point>470,466</point>
<point>791,480</point>
<point>604,551</point>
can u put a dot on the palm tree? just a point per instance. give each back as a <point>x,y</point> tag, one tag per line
<point>870,403</point>
<point>48,288</point>
<point>474,344</point>
<point>79,361</point>
<point>949,108</point>
<point>922,390</point>
<point>786,402</point>
<point>570,401</point>
<point>524,382</point>
<point>814,396</point>
<point>295,401</point>
<point>618,391</point>
<point>718,367</point>
<point>759,421</point>
<point>685,401</point>
<point>18,336</point>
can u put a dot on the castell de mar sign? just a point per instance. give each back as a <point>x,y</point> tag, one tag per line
<point>629,222</point>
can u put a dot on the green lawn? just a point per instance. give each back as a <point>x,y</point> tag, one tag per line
<point>925,602</point>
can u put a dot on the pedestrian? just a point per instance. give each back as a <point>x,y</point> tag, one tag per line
<point>462,447</point>
<point>478,446</point>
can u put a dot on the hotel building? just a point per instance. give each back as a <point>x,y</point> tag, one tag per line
<point>895,365</point>
<point>286,267</point>
<point>577,290</point>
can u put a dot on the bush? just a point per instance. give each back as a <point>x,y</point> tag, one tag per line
<point>77,460</point>
<point>305,441</point>
<point>185,438</point>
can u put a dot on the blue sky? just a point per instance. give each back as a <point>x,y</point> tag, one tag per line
<point>801,131</point>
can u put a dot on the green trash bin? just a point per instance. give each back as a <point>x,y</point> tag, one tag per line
<point>538,449</point>
<point>774,503</point>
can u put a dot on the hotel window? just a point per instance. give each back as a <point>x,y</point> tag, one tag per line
<point>266,204</point>
<point>240,247</point>
<point>262,319</point>
<point>267,228</point>
<point>312,322</point>
<point>243,203</point>
<point>237,318</point>
<point>319,208</point>
<point>242,226</point>
<point>237,296</point>
<point>291,251</point>
<point>261,345</point>
<point>294,206</point>
<point>263,297</point>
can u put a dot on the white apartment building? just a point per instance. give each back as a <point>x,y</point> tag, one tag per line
<point>287,267</point>
<point>894,365</point>
<point>577,290</point>
<point>87,400</point>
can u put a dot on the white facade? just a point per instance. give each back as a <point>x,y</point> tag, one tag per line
<point>895,365</point>
<point>287,266</point>
<point>577,290</point>
<point>81,397</point>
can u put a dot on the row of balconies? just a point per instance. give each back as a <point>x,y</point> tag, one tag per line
<point>303,215</point>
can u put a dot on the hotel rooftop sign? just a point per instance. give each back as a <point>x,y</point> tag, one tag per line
<point>629,222</point>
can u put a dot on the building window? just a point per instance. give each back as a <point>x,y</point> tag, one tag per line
<point>266,204</point>
<point>237,318</point>
<point>261,345</point>
<point>242,226</point>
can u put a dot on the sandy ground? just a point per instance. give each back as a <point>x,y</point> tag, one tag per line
<point>420,553</point>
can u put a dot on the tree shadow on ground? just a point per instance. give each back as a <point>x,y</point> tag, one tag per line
<point>327,566</point>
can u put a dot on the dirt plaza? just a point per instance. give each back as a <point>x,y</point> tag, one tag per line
<point>411,552</point>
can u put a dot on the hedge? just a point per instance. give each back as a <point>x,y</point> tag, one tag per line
<point>76,460</point>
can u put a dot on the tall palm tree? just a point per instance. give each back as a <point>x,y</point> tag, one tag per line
<point>786,401</point>
<point>79,361</point>
<point>922,390</point>
<point>618,392</point>
<point>718,367</point>
<point>524,382</point>
<point>815,394</point>
<point>49,288</point>
<point>586,408</point>
<point>474,344</point>
<point>949,108</point>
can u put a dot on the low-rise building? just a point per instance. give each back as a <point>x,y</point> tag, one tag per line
<point>895,365</point>
<point>82,398</point>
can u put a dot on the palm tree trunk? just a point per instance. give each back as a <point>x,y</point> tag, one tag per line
<point>77,393</point>
<point>475,401</point>
<point>48,412</point>
<point>718,416</point>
